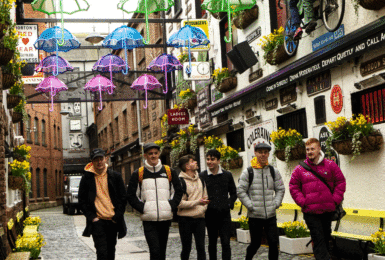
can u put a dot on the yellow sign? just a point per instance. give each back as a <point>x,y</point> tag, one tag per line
<point>202,24</point>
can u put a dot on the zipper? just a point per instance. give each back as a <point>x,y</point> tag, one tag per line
<point>156,193</point>
<point>264,200</point>
<point>267,181</point>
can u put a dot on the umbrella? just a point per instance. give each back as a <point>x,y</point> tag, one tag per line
<point>146,82</point>
<point>147,7</point>
<point>111,63</point>
<point>228,6</point>
<point>100,83</point>
<point>190,37</point>
<point>52,85</point>
<point>51,7</point>
<point>54,65</point>
<point>165,63</point>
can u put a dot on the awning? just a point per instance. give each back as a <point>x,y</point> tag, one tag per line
<point>352,45</point>
<point>129,147</point>
<point>73,168</point>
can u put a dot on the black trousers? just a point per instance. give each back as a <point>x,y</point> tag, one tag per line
<point>104,234</point>
<point>270,226</point>
<point>218,223</point>
<point>320,226</point>
<point>187,227</point>
<point>156,233</point>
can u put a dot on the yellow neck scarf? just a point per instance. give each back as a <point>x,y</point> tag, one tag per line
<point>256,165</point>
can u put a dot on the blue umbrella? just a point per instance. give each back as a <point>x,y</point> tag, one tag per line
<point>123,37</point>
<point>190,37</point>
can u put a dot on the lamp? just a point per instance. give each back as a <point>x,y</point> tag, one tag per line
<point>373,81</point>
<point>94,37</point>
<point>288,108</point>
<point>238,125</point>
<point>253,120</point>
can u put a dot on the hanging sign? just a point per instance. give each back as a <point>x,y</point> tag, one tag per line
<point>259,133</point>
<point>27,36</point>
<point>327,38</point>
<point>202,24</point>
<point>177,116</point>
<point>336,99</point>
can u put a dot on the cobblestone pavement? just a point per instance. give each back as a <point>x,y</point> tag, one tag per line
<point>63,236</point>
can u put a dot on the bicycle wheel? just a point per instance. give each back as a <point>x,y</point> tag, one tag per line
<point>290,44</point>
<point>332,13</point>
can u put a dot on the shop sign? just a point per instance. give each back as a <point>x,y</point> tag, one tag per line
<point>203,98</point>
<point>255,75</point>
<point>35,79</point>
<point>327,38</point>
<point>336,99</point>
<point>226,108</point>
<point>372,65</point>
<point>288,95</point>
<point>322,133</point>
<point>254,35</point>
<point>318,83</point>
<point>27,37</point>
<point>202,24</point>
<point>271,104</point>
<point>259,133</point>
<point>177,116</point>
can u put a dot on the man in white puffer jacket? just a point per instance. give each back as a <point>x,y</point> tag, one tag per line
<point>155,191</point>
<point>261,197</point>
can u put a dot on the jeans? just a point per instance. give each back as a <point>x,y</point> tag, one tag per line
<point>218,222</point>
<point>256,225</point>
<point>187,227</point>
<point>104,234</point>
<point>320,226</point>
<point>156,233</point>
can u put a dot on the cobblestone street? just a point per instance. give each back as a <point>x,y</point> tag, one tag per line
<point>64,241</point>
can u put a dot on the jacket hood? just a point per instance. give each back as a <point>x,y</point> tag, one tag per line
<point>153,169</point>
<point>188,177</point>
<point>90,168</point>
<point>320,159</point>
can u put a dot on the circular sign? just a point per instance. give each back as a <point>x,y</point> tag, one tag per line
<point>336,99</point>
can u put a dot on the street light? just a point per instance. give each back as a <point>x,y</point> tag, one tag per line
<point>94,37</point>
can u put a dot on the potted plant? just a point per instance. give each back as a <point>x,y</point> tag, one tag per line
<point>354,136</point>
<point>30,243</point>
<point>230,158</point>
<point>297,236</point>
<point>5,16</point>
<point>288,145</point>
<point>196,138</point>
<point>188,98</point>
<point>8,45</point>
<point>20,175</point>
<point>243,233</point>
<point>274,50</point>
<point>19,112</point>
<point>21,152</point>
<point>15,95</point>
<point>242,19</point>
<point>34,221</point>
<point>184,142</point>
<point>212,142</point>
<point>175,152</point>
<point>224,80</point>
<point>378,240</point>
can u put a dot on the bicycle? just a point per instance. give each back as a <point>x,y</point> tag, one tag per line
<point>330,11</point>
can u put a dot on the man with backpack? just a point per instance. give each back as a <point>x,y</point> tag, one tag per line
<point>155,191</point>
<point>222,194</point>
<point>192,208</point>
<point>261,190</point>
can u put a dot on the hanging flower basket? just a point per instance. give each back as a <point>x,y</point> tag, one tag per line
<point>372,4</point>
<point>246,18</point>
<point>201,140</point>
<point>368,144</point>
<point>5,56</point>
<point>8,80</point>
<point>16,117</point>
<point>13,100</point>
<point>166,149</point>
<point>16,182</point>
<point>227,84</point>
<point>3,26</point>
<point>219,15</point>
<point>277,56</point>
<point>192,103</point>
<point>298,152</point>
<point>233,163</point>
<point>18,157</point>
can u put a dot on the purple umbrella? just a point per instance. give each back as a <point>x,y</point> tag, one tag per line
<point>111,63</point>
<point>146,82</point>
<point>165,63</point>
<point>100,83</point>
<point>54,65</point>
<point>52,85</point>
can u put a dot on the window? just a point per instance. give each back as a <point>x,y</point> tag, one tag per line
<point>177,7</point>
<point>58,138</point>
<point>295,120</point>
<point>29,137</point>
<point>117,137</point>
<point>36,130</point>
<point>134,118</point>
<point>54,136</point>
<point>125,124</point>
<point>146,117</point>
<point>38,182</point>
<point>236,140</point>
<point>370,102</point>
<point>226,47</point>
<point>45,182</point>
<point>30,182</point>
<point>43,132</point>
<point>60,182</point>
<point>319,108</point>
<point>111,135</point>
<point>57,183</point>
<point>200,12</point>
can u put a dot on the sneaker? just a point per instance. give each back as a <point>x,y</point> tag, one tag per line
<point>311,26</point>
<point>298,34</point>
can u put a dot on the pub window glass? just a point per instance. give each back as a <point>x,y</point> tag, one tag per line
<point>295,120</point>
<point>319,108</point>
<point>38,182</point>
<point>45,182</point>
<point>236,139</point>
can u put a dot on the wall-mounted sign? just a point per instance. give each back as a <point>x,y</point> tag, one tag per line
<point>178,116</point>
<point>35,79</point>
<point>199,71</point>
<point>27,37</point>
<point>318,83</point>
<point>372,65</point>
<point>322,133</point>
<point>271,104</point>
<point>226,108</point>
<point>288,95</point>
<point>203,98</point>
<point>254,35</point>
<point>255,75</point>
<point>259,133</point>
<point>202,24</point>
<point>336,99</point>
<point>327,38</point>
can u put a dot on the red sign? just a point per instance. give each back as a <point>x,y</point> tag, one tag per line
<point>178,116</point>
<point>336,99</point>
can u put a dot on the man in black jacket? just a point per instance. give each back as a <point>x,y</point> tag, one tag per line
<point>220,184</point>
<point>102,198</point>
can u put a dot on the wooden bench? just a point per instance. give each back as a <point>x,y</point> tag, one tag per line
<point>19,256</point>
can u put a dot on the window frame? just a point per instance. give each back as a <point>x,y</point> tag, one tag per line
<point>292,114</point>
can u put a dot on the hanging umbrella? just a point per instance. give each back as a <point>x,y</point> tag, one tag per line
<point>146,82</point>
<point>190,37</point>
<point>147,7</point>
<point>110,63</point>
<point>228,6</point>
<point>165,63</point>
<point>55,7</point>
<point>100,83</point>
<point>52,85</point>
<point>54,65</point>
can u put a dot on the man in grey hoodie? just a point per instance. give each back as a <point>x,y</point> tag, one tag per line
<point>261,190</point>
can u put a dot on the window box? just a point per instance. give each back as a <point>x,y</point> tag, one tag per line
<point>227,84</point>
<point>277,56</point>
<point>368,144</point>
<point>243,236</point>
<point>372,4</point>
<point>246,18</point>
<point>295,246</point>
<point>375,257</point>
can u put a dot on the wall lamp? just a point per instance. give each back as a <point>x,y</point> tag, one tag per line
<point>373,81</point>
<point>288,108</point>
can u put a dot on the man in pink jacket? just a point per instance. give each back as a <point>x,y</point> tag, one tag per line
<point>315,198</point>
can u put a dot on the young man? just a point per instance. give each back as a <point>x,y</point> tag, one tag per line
<point>315,198</point>
<point>192,208</point>
<point>261,197</point>
<point>102,198</point>
<point>220,184</point>
<point>154,190</point>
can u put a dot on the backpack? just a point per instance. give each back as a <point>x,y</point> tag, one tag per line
<point>184,187</point>
<point>141,172</point>
<point>251,178</point>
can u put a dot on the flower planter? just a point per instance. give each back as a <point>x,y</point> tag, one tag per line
<point>192,103</point>
<point>277,56</point>
<point>227,84</point>
<point>233,163</point>
<point>246,18</point>
<point>8,80</point>
<point>295,246</point>
<point>376,257</point>
<point>219,16</point>
<point>298,152</point>
<point>3,26</point>
<point>16,117</point>
<point>13,100</point>
<point>18,157</point>
<point>368,144</point>
<point>166,149</point>
<point>243,236</point>
<point>16,182</point>
<point>372,4</point>
<point>201,140</point>
<point>5,56</point>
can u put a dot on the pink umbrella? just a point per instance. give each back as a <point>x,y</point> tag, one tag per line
<point>100,83</point>
<point>146,82</point>
<point>52,85</point>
